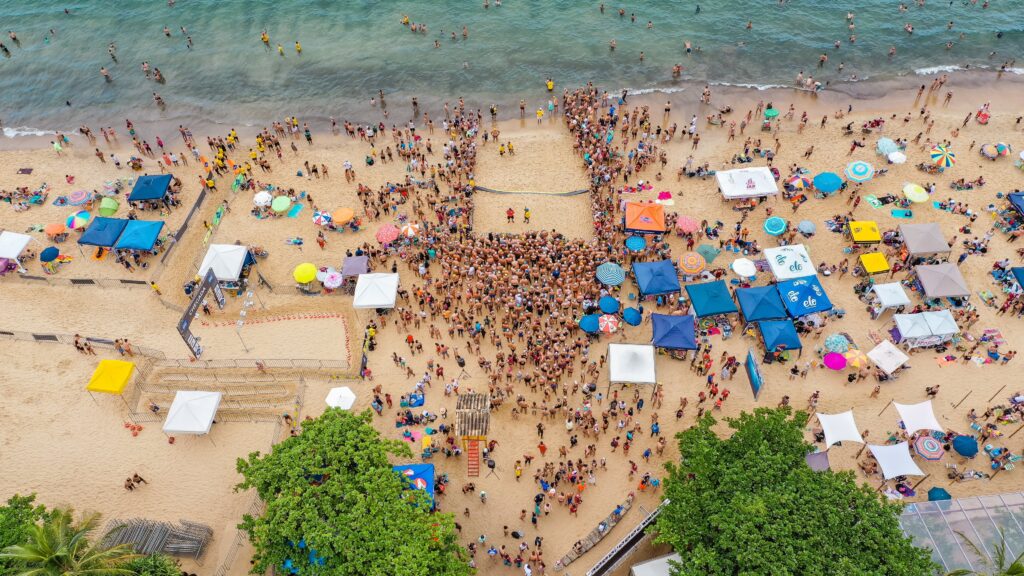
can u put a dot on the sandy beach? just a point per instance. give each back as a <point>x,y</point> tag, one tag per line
<point>73,449</point>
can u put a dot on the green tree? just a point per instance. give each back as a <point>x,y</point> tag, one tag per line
<point>332,489</point>
<point>153,565</point>
<point>1001,565</point>
<point>16,519</point>
<point>748,504</point>
<point>58,546</point>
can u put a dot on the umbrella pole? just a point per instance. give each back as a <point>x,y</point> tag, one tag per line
<point>886,406</point>
<point>1015,431</point>
<point>997,392</point>
<point>920,481</point>
<point>957,405</point>
<point>861,451</point>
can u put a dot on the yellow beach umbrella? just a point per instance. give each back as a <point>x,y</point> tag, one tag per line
<point>915,193</point>
<point>343,215</point>
<point>304,273</point>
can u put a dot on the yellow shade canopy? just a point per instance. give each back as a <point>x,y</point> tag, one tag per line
<point>865,232</point>
<point>874,262</point>
<point>111,376</point>
<point>304,273</point>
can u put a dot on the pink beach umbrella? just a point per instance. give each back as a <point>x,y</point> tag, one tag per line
<point>835,361</point>
<point>387,233</point>
<point>687,225</point>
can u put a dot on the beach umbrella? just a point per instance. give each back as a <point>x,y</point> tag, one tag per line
<point>897,157</point>
<point>708,251</point>
<point>589,323</point>
<point>942,157</point>
<point>665,198</point>
<point>611,274</point>
<point>691,263</point>
<point>78,220</point>
<point>915,193</point>
<point>636,243</point>
<point>608,304</point>
<point>1003,148</point>
<point>835,361</point>
<point>966,446</point>
<point>855,358</point>
<point>304,273</point>
<point>988,151</point>
<point>799,182</point>
<point>108,206</point>
<point>771,113</point>
<point>687,224</point>
<point>744,267</point>
<point>280,204</point>
<point>52,230</point>
<point>321,218</point>
<point>79,197</point>
<point>886,146</point>
<point>410,230</point>
<point>632,316</point>
<point>806,226</point>
<point>937,493</point>
<point>928,447</point>
<point>837,343</point>
<point>828,182</point>
<point>387,233</point>
<point>608,323</point>
<point>342,397</point>
<point>343,215</point>
<point>262,198</point>
<point>332,280</point>
<point>49,255</point>
<point>859,171</point>
<point>775,226</point>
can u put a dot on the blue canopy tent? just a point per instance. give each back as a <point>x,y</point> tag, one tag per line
<point>103,232</point>
<point>779,333</point>
<point>150,187</point>
<point>418,477</point>
<point>711,298</point>
<point>674,332</point>
<point>804,296</point>
<point>654,278</point>
<point>760,303</point>
<point>140,235</point>
<point>1018,275</point>
<point>1017,200</point>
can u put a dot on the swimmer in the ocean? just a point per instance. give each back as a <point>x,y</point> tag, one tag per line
<point>266,38</point>
<point>298,47</point>
<point>280,50</point>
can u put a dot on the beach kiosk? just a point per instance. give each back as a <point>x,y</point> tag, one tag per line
<point>103,232</point>
<point>924,329</point>
<point>788,262</point>
<point>746,183</point>
<point>887,296</point>
<point>779,336</point>
<point>864,232</point>
<point>942,281</point>
<point>888,357</point>
<point>874,263</point>
<point>760,303</point>
<point>139,235</point>
<point>653,278</point>
<point>111,377</point>
<point>674,333</point>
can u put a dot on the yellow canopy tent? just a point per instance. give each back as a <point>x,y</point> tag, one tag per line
<point>865,232</point>
<point>874,262</point>
<point>111,377</point>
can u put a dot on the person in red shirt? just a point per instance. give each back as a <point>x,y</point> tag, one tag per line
<point>510,214</point>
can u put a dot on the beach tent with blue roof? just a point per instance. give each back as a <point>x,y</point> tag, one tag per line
<point>418,477</point>
<point>760,303</point>
<point>139,235</point>
<point>1018,275</point>
<point>674,332</point>
<point>654,278</point>
<point>150,188</point>
<point>710,298</point>
<point>103,232</point>
<point>779,333</point>
<point>1017,200</point>
<point>804,296</point>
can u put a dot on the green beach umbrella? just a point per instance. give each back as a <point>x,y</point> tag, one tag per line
<point>280,204</point>
<point>108,206</point>
<point>771,113</point>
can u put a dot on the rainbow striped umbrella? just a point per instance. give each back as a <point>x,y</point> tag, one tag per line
<point>691,263</point>
<point>1003,148</point>
<point>860,171</point>
<point>79,220</point>
<point>928,448</point>
<point>799,182</point>
<point>943,157</point>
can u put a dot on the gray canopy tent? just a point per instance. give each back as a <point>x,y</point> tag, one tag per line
<point>942,280</point>
<point>924,239</point>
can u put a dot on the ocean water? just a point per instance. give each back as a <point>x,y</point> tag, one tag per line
<point>353,48</point>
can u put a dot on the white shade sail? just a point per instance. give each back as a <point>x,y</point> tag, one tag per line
<point>788,262</point>
<point>887,357</point>
<point>918,416</point>
<point>226,261</point>
<point>746,183</point>
<point>377,290</point>
<point>839,428</point>
<point>192,412</point>
<point>342,397</point>
<point>631,363</point>
<point>12,244</point>
<point>891,295</point>
<point>895,460</point>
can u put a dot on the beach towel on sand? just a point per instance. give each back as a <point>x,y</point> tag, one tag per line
<point>903,214</point>
<point>294,212</point>
<point>872,200</point>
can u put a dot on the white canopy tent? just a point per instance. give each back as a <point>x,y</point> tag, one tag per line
<point>888,357</point>
<point>746,183</point>
<point>655,567</point>
<point>226,261</point>
<point>941,322</point>
<point>631,364</point>
<point>788,262</point>
<point>895,460</point>
<point>12,245</point>
<point>376,290</point>
<point>342,397</point>
<point>839,428</point>
<point>918,416</point>
<point>891,295</point>
<point>192,412</point>
<point>925,328</point>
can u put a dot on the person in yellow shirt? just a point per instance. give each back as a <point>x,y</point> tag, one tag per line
<point>540,115</point>
<point>280,50</point>
<point>551,85</point>
<point>265,37</point>
<point>252,154</point>
<point>298,47</point>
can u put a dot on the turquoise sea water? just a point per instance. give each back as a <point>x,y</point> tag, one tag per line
<point>352,48</point>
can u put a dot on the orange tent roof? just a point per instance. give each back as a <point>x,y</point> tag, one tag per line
<point>644,217</point>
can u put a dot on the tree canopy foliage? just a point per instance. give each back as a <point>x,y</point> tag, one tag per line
<point>16,519</point>
<point>57,545</point>
<point>749,504</point>
<point>333,502</point>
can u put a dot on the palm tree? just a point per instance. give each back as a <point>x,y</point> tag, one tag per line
<point>995,567</point>
<point>60,547</point>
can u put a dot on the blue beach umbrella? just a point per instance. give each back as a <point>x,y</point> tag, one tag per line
<point>806,226</point>
<point>886,146</point>
<point>859,171</point>
<point>827,182</point>
<point>632,316</point>
<point>589,323</point>
<point>966,446</point>
<point>611,274</point>
<point>49,255</point>
<point>774,226</point>
<point>608,305</point>
<point>636,243</point>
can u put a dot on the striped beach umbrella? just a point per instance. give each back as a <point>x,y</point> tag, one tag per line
<point>1003,148</point>
<point>410,230</point>
<point>687,224</point>
<point>799,182</point>
<point>691,263</point>
<point>775,226</point>
<point>611,274</point>
<point>608,323</point>
<point>387,233</point>
<point>859,171</point>
<point>928,447</point>
<point>942,157</point>
<point>78,220</point>
<point>915,193</point>
<point>321,218</point>
<point>855,358</point>
<point>79,197</point>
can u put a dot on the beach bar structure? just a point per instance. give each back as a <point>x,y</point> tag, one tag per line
<point>472,417</point>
